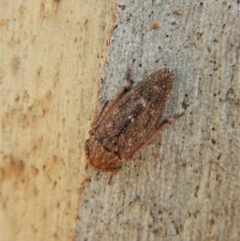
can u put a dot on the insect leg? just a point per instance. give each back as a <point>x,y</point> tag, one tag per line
<point>160,128</point>
<point>108,105</point>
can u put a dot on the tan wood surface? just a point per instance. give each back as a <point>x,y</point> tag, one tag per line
<point>51,58</point>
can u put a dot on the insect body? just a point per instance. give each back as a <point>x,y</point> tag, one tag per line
<point>128,123</point>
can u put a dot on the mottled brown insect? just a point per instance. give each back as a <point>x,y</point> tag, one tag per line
<point>128,123</point>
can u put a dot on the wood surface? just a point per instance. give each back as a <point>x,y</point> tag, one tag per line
<point>185,185</point>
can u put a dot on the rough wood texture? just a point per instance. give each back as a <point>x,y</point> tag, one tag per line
<point>51,56</point>
<point>186,185</point>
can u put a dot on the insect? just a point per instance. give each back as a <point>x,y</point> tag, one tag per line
<point>129,122</point>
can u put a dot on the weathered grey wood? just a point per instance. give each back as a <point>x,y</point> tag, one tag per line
<point>185,185</point>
